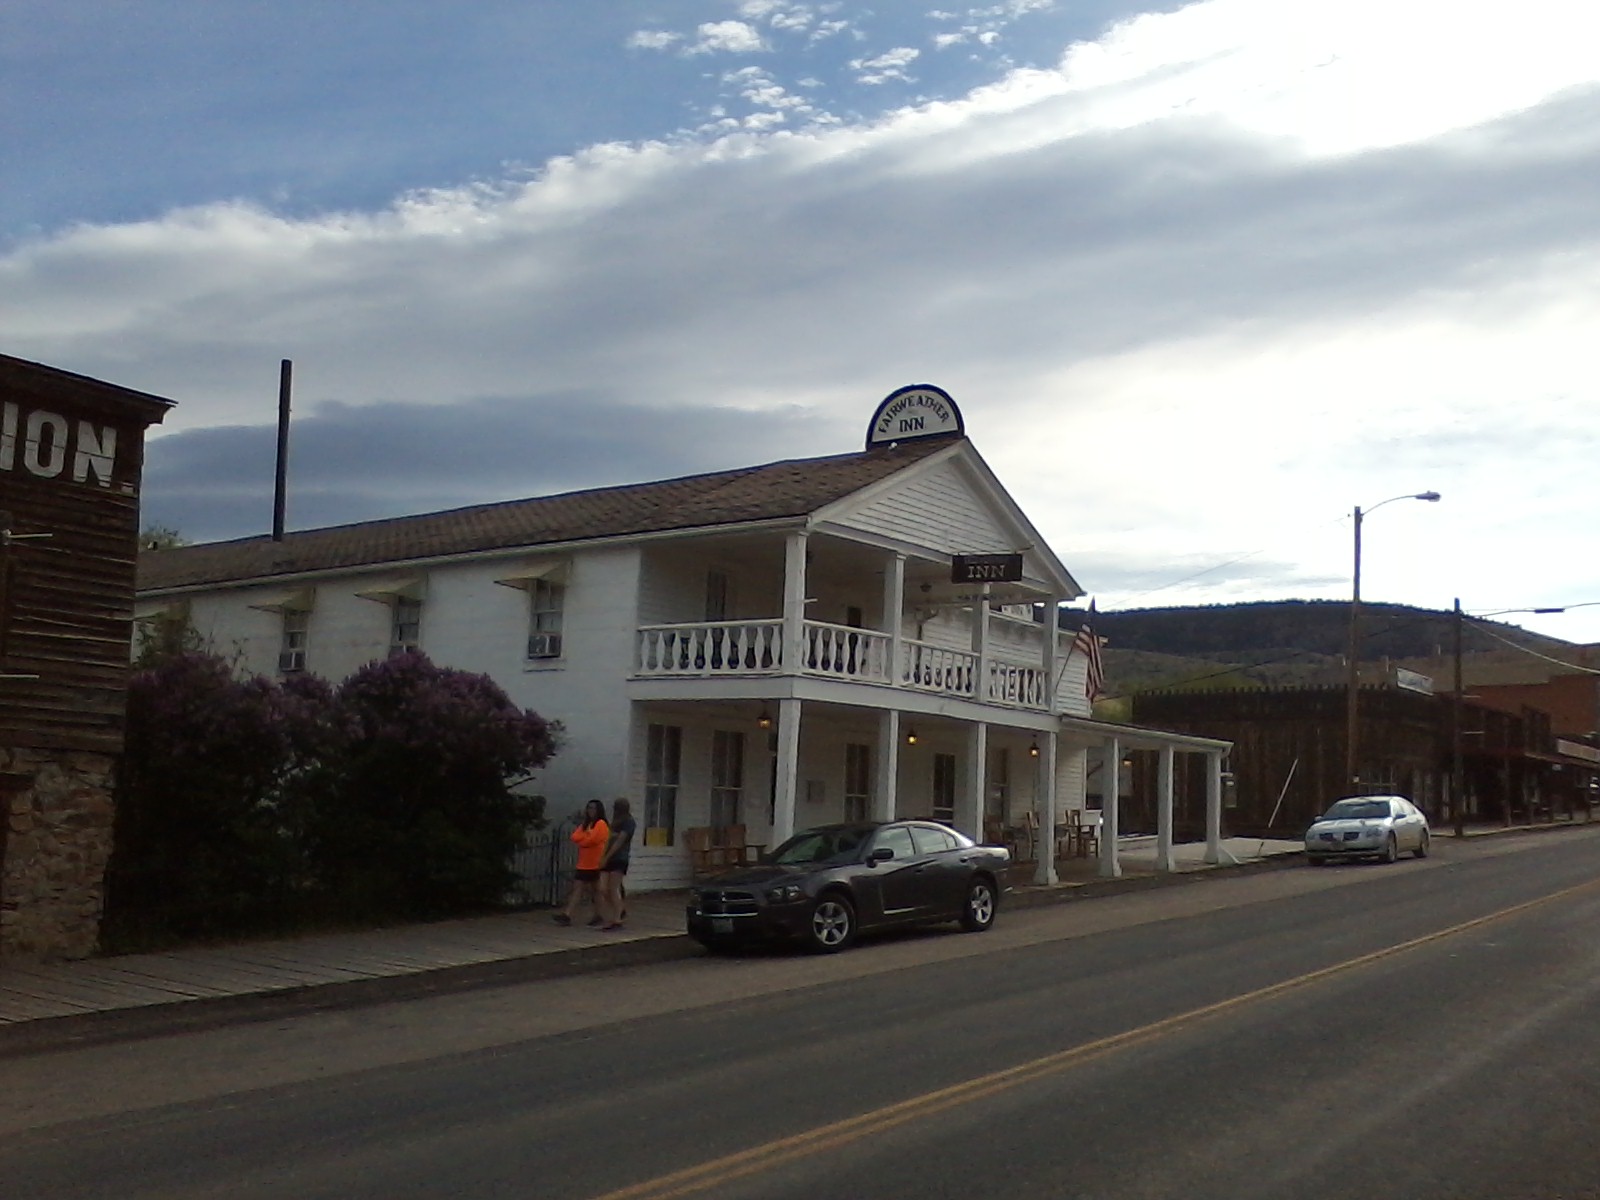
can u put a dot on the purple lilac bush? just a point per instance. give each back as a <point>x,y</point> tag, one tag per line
<point>248,804</point>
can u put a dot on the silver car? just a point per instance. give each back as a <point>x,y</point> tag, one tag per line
<point>1381,827</point>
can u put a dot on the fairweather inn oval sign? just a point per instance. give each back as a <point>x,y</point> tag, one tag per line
<point>917,411</point>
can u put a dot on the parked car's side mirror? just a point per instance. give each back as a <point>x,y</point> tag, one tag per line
<point>881,854</point>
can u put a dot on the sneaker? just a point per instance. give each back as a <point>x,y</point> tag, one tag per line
<point>614,925</point>
<point>561,918</point>
<point>595,920</point>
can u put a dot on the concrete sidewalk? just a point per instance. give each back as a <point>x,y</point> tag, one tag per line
<point>480,951</point>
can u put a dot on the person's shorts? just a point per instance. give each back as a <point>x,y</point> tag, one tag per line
<point>586,874</point>
<point>615,867</point>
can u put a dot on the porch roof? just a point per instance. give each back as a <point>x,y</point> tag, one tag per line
<point>1139,737</point>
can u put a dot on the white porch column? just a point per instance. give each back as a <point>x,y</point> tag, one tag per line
<point>1164,856</point>
<point>894,618</point>
<point>1052,609</point>
<point>1213,808</point>
<point>884,795</point>
<point>1047,793</point>
<point>1111,769</point>
<point>794,603</point>
<point>980,647</point>
<point>969,808</point>
<point>788,770</point>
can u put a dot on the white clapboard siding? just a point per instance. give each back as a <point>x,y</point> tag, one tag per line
<point>938,508</point>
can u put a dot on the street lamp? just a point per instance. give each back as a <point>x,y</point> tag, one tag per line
<point>1458,808</point>
<point>1352,739</point>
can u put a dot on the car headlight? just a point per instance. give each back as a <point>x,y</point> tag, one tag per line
<point>786,893</point>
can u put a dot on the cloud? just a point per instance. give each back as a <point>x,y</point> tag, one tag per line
<point>1196,304</point>
<point>727,37</point>
<point>653,39</point>
<point>887,66</point>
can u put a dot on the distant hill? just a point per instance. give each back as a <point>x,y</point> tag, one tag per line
<point>1277,642</point>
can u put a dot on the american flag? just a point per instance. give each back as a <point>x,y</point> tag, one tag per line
<point>1087,644</point>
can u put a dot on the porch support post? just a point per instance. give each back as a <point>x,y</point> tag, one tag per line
<point>1047,791</point>
<point>894,617</point>
<point>980,647</point>
<point>969,813</point>
<point>1164,856</point>
<point>1111,769</point>
<point>1214,808</point>
<point>794,603</point>
<point>1049,640</point>
<point>884,795</point>
<point>788,770</point>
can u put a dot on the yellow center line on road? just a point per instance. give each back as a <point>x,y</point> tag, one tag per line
<point>764,1157</point>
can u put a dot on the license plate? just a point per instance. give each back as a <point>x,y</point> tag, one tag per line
<point>721,924</point>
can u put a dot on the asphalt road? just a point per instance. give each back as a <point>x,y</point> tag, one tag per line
<point>1428,1029</point>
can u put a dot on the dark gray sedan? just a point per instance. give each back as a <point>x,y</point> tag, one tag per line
<point>1380,827</point>
<point>825,885</point>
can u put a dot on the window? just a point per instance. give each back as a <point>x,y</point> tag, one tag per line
<point>292,649</point>
<point>727,777</point>
<point>405,627</point>
<point>857,781</point>
<point>944,787</point>
<point>545,602</point>
<point>931,840</point>
<point>999,795</point>
<point>663,753</point>
<point>896,838</point>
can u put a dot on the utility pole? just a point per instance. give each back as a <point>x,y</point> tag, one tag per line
<point>1458,775</point>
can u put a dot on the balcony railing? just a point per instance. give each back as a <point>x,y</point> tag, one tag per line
<point>723,649</point>
<point>711,648</point>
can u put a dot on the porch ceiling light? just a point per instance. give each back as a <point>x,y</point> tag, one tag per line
<point>764,721</point>
<point>911,736</point>
<point>1033,750</point>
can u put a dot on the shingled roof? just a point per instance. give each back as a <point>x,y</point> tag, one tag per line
<point>773,491</point>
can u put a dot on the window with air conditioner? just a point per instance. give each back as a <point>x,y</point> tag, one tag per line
<point>292,647</point>
<point>546,600</point>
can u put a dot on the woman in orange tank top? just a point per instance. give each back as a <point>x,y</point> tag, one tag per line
<point>591,837</point>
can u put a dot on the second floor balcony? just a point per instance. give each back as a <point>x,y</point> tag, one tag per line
<point>741,649</point>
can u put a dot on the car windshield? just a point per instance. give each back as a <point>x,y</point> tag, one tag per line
<point>832,844</point>
<point>1353,810</point>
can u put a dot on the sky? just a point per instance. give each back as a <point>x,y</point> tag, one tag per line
<point>1203,278</point>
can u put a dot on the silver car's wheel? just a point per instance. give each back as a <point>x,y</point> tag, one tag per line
<point>1422,846</point>
<point>978,914</point>
<point>1391,850</point>
<point>833,924</point>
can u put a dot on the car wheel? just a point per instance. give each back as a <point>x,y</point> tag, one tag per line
<point>833,924</point>
<point>978,912</point>
<point>1422,846</point>
<point>1391,850</point>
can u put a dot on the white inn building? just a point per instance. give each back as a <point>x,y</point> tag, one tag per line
<point>776,646</point>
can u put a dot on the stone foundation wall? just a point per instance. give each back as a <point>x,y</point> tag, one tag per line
<point>58,811</point>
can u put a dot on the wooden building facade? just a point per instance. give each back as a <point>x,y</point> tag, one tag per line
<point>1288,758</point>
<point>71,458</point>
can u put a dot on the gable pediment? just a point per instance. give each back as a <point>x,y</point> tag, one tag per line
<point>951,504</point>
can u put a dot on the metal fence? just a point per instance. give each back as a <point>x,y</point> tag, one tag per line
<point>544,865</point>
